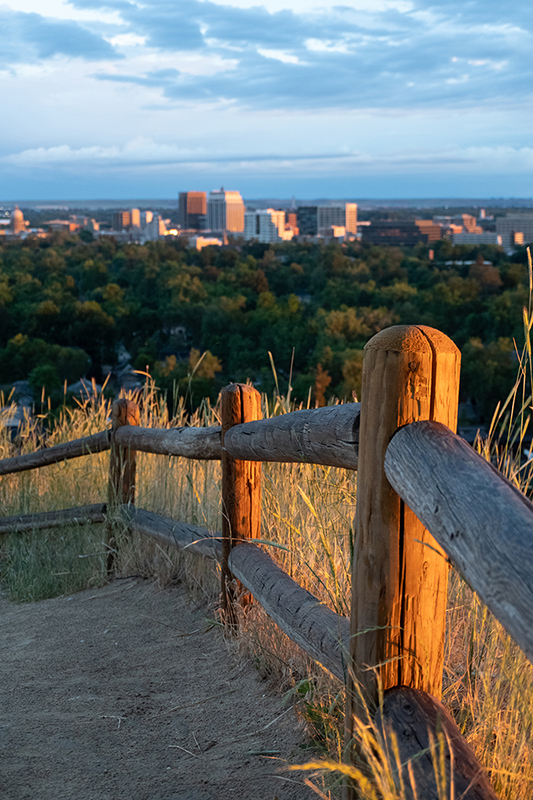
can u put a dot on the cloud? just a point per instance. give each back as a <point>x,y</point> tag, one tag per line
<point>137,151</point>
<point>399,54</point>
<point>27,38</point>
<point>144,152</point>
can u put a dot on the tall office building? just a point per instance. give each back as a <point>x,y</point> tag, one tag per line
<point>319,220</point>
<point>121,220</point>
<point>146,217</point>
<point>124,220</point>
<point>351,218</point>
<point>328,217</point>
<point>307,220</point>
<point>225,211</point>
<point>192,209</point>
<point>266,225</point>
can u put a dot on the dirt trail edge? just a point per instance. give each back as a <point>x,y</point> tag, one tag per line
<point>127,692</point>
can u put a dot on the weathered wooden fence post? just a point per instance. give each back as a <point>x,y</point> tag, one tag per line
<point>241,489</point>
<point>121,485</point>
<point>400,574</point>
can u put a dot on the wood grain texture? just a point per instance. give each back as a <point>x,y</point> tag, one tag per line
<point>122,467</point>
<point>321,633</point>
<point>170,531</point>
<point>200,443</point>
<point>482,522</point>
<point>328,436</point>
<point>122,462</point>
<point>81,515</point>
<point>96,443</point>
<point>413,716</point>
<point>241,488</point>
<point>399,582</point>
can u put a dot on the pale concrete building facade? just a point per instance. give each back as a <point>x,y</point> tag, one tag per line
<point>266,225</point>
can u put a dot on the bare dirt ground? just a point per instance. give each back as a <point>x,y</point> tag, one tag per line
<point>129,692</point>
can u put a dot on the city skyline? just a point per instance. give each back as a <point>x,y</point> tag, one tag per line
<point>374,98</point>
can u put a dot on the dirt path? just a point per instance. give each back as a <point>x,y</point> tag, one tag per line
<point>126,692</point>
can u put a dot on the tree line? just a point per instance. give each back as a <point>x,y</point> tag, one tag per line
<point>198,319</point>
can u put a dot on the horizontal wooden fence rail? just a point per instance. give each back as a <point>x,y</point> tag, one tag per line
<point>96,443</point>
<point>328,436</point>
<point>81,515</point>
<point>411,715</point>
<point>197,443</point>
<point>322,634</point>
<point>172,532</point>
<point>482,522</point>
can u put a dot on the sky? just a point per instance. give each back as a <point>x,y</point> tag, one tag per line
<point>367,98</point>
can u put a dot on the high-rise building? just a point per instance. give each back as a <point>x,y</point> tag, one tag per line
<point>307,220</point>
<point>124,220</point>
<point>351,218</point>
<point>225,211</point>
<point>120,220</point>
<point>319,220</point>
<point>266,225</point>
<point>146,217</point>
<point>328,217</point>
<point>192,209</point>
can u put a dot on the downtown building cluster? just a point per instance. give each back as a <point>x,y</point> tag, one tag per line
<point>224,212</point>
<point>212,218</point>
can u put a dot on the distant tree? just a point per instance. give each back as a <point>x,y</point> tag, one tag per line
<point>44,377</point>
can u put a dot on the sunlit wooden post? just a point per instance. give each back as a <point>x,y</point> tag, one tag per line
<point>400,573</point>
<point>122,462</point>
<point>241,489</point>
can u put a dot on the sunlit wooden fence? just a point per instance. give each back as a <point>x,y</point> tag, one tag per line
<point>425,499</point>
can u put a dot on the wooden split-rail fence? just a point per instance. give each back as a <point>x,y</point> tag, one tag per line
<point>425,499</point>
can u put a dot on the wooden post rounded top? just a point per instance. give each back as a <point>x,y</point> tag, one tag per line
<point>124,412</point>
<point>412,338</point>
<point>239,388</point>
<point>239,402</point>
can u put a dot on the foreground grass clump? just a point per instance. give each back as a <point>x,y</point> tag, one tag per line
<point>308,516</point>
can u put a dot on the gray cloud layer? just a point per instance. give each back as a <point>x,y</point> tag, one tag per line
<point>450,52</point>
<point>430,54</point>
<point>27,38</point>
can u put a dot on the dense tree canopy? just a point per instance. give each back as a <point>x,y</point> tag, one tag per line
<point>68,303</point>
